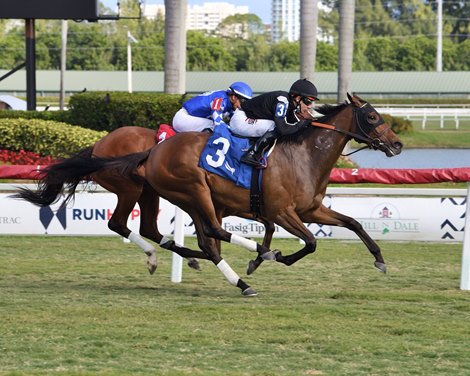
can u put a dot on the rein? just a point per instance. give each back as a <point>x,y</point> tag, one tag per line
<point>367,140</point>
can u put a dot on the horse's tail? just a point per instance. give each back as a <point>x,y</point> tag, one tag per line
<point>57,178</point>
<point>125,165</point>
<point>63,177</point>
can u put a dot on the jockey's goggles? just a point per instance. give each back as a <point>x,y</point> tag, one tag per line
<point>308,100</point>
<point>240,98</point>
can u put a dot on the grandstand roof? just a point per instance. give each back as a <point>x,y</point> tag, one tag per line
<point>377,84</point>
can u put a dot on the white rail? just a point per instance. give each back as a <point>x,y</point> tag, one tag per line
<point>426,114</point>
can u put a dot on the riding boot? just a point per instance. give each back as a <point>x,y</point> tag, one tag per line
<point>254,155</point>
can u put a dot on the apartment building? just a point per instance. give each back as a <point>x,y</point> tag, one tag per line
<point>201,17</point>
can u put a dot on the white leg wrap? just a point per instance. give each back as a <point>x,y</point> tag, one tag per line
<point>138,240</point>
<point>164,240</point>
<point>251,245</point>
<point>228,272</point>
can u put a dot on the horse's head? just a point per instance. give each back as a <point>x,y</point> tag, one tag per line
<point>370,128</point>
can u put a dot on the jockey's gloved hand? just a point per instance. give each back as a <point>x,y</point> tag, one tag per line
<point>304,123</point>
<point>290,128</point>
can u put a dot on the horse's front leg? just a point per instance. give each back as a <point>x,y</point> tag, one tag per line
<point>327,216</point>
<point>291,222</point>
<point>268,237</point>
<point>371,245</point>
<point>288,260</point>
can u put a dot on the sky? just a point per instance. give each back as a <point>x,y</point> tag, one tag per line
<point>262,8</point>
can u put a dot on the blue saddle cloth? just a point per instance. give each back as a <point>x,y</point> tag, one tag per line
<point>222,154</point>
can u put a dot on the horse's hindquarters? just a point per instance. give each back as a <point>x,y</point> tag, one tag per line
<point>172,167</point>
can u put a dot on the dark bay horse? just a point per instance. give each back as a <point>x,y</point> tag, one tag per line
<point>294,183</point>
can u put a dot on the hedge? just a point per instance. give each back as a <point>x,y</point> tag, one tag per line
<point>44,137</point>
<point>108,111</point>
<point>398,125</point>
<point>61,116</point>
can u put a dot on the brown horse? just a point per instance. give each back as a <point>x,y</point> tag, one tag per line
<point>128,140</point>
<point>122,141</point>
<point>294,184</point>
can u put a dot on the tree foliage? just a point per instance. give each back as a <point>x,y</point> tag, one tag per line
<point>390,35</point>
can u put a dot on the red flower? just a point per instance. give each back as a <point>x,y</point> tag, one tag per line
<point>22,157</point>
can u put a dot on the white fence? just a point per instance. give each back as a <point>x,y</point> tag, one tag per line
<point>427,114</point>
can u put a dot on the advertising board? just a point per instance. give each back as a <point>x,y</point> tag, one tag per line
<point>388,218</point>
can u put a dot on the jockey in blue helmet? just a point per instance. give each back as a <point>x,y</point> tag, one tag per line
<point>209,109</point>
<point>241,90</point>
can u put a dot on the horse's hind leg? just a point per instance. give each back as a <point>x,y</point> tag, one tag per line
<point>199,203</point>
<point>118,224</point>
<point>211,247</point>
<point>149,204</point>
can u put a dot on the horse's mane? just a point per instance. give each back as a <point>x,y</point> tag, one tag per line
<point>327,110</point>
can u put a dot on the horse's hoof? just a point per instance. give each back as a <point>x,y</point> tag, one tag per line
<point>193,263</point>
<point>278,254</point>
<point>152,264</point>
<point>381,266</point>
<point>252,266</point>
<point>249,292</point>
<point>268,256</point>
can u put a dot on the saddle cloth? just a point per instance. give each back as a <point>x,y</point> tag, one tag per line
<point>164,131</point>
<point>222,154</point>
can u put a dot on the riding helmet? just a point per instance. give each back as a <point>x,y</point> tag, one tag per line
<point>241,89</point>
<point>304,88</point>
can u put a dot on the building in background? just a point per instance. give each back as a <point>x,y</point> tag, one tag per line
<point>200,17</point>
<point>285,20</point>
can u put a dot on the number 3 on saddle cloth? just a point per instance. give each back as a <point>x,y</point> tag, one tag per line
<point>221,154</point>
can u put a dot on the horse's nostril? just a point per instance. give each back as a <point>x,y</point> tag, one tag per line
<point>398,145</point>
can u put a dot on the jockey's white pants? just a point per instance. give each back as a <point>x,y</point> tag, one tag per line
<point>242,125</point>
<point>184,122</point>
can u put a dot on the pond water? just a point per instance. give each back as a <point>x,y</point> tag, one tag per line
<point>414,158</point>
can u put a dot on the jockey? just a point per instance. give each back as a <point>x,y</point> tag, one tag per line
<point>209,109</point>
<point>271,115</point>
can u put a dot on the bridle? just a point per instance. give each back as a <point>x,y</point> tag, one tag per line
<point>367,119</point>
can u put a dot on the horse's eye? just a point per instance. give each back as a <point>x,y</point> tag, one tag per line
<point>373,117</point>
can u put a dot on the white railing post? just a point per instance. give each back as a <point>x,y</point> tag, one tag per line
<point>465,274</point>
<point>177,260</point>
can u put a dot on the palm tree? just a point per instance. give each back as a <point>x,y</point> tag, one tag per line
<point>346,46</point>
<point>308,37</point>
<point>175,46</point>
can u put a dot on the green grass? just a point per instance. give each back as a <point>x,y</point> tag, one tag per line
<point>87,306</point>
<point>437,139</point>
